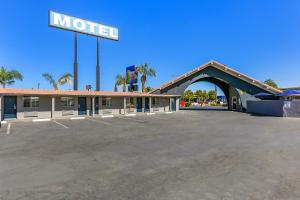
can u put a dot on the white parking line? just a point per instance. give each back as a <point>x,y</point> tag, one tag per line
<point>99,121</point>
<point>130,115</point>
<point>75,118</point>
<point>107,116</point>
<point>41,120</point>
<point>132,119</point>
<point>8,128</point>
<point>150,114</point>
<point>60,124</point>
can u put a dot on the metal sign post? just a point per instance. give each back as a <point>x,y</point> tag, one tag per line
<point>75,64</point>
<point>78,25</point>
<point>98,68</point>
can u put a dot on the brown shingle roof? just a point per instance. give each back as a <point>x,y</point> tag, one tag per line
<point>11,91</point>
<point>225,69</point>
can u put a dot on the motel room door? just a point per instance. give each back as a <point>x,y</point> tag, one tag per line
<point>10,107</point>
<point>139,104</point>
<point>147,108</point>
<point>81,105</point>
<point>173,104</point>
<point>96,105</point>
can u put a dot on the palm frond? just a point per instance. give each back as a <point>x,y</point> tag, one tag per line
<point>14,74</point>
<point>51,80</point>
<point>65,78</point>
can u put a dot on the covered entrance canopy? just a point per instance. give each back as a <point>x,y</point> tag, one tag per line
<point>229,80</point>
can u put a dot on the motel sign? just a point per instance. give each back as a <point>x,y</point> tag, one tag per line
<point>70,23</point>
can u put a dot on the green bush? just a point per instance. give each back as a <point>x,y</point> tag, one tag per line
<point>187,104</point>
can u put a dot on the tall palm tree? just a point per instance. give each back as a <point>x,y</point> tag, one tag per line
<point>8,77</point>
<point>65,78</point>
<point>121,80</point>
<point>146,71</point>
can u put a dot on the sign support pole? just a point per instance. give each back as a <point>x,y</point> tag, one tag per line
<point>75,64</point>
<point>98,68</point>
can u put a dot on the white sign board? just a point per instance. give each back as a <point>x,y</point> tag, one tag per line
<point>70,23</point>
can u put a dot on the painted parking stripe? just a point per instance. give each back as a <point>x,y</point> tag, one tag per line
<point>60,124</point>
<point>132,119</point>
<point>107,116</point>
<point>41,120</point>
<point>75,118</point>
<point>150,114</point>
<point>8,128</point>
<point>99,121</point>
<point>130,115</point>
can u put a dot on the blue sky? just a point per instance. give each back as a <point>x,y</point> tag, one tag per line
<point>259,38</point>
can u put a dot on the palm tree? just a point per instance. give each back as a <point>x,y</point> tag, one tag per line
<point>198,94</point>
<point>145,70</point>
<point>65,78</point>
<point>9,77</point>
<point>148,89</point>
<point>271,83</point>
<point>121,80</point>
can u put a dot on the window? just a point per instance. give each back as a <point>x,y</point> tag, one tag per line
<point>106,101</point>
<point>31,102</point>
<point>155,101</point>
<point>130,102</point>
<point>67,102</point>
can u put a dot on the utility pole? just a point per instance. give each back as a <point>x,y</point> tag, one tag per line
<point>216,94</point>
<point>97,68</point>
<point>75,64</point>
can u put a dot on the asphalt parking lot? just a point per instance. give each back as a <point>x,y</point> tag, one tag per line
<point>187,155</point>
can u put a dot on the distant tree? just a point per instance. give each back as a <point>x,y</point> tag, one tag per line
<point>120,80</point>
<point>116,88</point>
<point>148,89</point>
<point>271,83</point>
<point>146,71</point>
<point>188,95</point>
<point>65,78</point>
<point>8,77</point>
<point>212,95</point>
<point>198,94</point>
<point>204,95</point>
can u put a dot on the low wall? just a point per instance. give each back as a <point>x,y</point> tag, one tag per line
<point>278,108</point>
<point>266,107</point>
<point>291,108</point>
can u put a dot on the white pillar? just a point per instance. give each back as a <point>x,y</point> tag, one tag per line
<point>93,106</point>
<point>52,107</point>
<point>177,102</point>
<point>124,105</point>
<point>150,104</point>
<point>1,110</point>
<point>134,103</point>
<point>100,106</point>
<point>170,104</point>
<point>143,104</point>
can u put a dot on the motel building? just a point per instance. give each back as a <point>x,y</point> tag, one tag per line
<point>38,104</point>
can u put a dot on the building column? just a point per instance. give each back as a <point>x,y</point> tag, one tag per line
<point>177,103</point>
<point>124,105</point>
<point>170,104</point>
<point>52,107</point>
<point>100,106</point>
<point>143,104</point>
<point>134,103</point>
<point>1,110</point>
<point>93,106</point>
<point>150,104</point>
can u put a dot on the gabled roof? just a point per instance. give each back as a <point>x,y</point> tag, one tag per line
<point>12,91</point>
<point>225,69</point>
